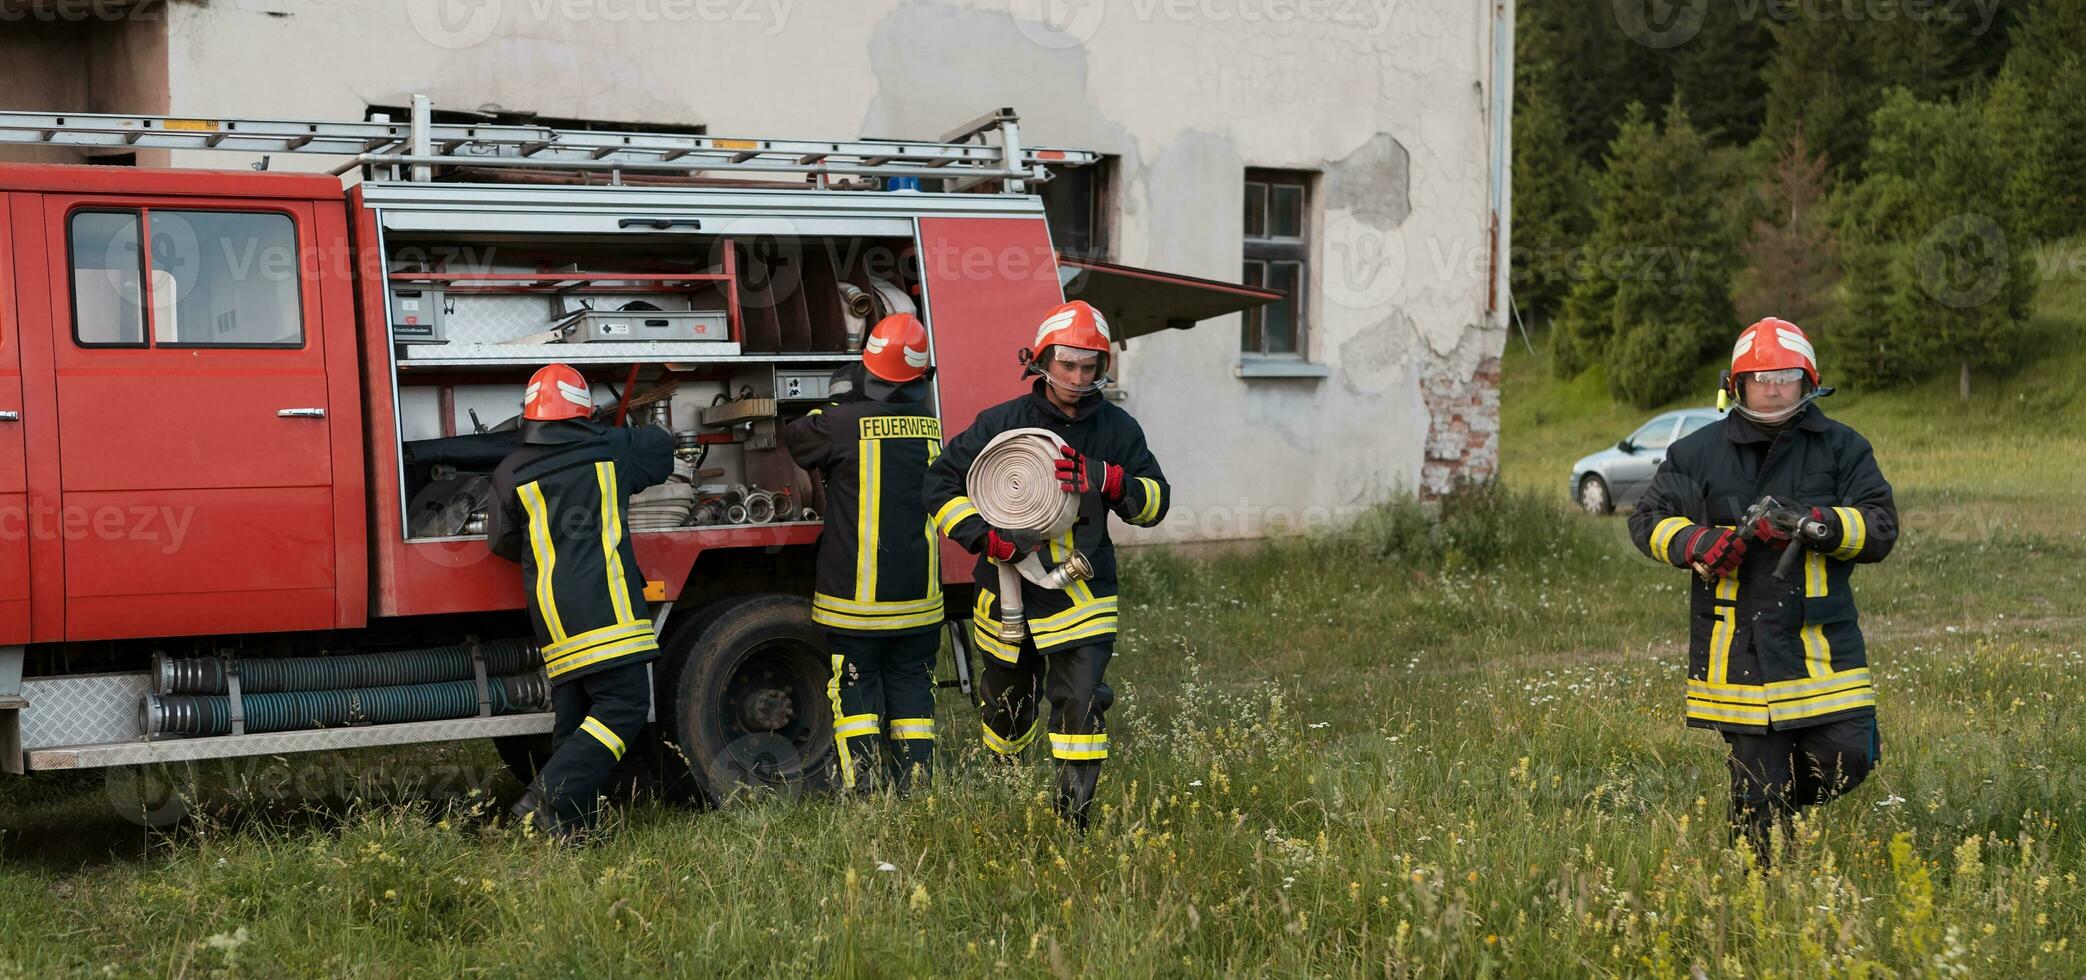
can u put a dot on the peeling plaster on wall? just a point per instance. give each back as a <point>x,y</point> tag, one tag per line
<point>1375,179</point>
<point>1379,358</point>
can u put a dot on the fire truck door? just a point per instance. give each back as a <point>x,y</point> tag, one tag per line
<point>193,432</point>
<point>14,486</point>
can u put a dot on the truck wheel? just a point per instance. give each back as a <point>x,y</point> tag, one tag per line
<point>751,709</point>
<point>678,776</point>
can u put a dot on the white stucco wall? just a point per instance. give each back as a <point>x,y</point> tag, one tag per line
<point>1385,98</point>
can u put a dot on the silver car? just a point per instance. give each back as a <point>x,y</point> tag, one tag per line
<point>1617,477</point>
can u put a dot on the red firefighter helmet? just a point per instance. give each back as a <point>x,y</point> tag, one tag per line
<point>1772,344</point>
<point>896,349</point>
<point>1075,326</point>
<point>556,392</point>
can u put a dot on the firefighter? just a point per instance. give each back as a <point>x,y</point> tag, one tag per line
<point>1071,633</point>
<point>878,589</point>
<point>1779,668</point>
<point>561,503</point>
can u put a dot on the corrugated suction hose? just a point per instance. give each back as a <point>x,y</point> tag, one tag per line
<point>204,715</point>
<point>1014,485</point>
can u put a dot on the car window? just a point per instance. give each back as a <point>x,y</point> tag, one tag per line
<point>1693,422</point>
<point>1655,434</point>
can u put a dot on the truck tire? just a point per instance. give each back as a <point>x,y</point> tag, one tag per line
<point>678,780</point>
<point>750,708</point>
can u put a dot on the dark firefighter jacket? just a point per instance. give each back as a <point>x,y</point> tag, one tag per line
<point>879,564</point>
<point>559,508</point>
<point>1086,612</point>
<point>1762,653</point>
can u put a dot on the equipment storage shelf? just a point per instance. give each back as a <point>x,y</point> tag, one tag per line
<point>472,316</point>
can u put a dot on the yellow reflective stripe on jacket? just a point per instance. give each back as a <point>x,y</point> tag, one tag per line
<point>953,513</point>
<point>932,603</point>
<point>869,511</point>
<point>838,620</point>
<point>985,631</point>
<point>601,733</point>
<point>1854,532</point>
<point>1077,747</point>
<point>612,541</point>
<point>1738,704</point>
<point>596,637</point>
<point>1841,692</point>
<point>1720,644</point>
<point>912,728</point>
<point>1662,537</point>
<point>1152,498</point>
<point>546,552</point>
<point>598,655</point>
<point>1815,584</point>
<point>1817,650</point>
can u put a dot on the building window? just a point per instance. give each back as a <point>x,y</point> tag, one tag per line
<point>1077,202</point>
<point>1277,257</point>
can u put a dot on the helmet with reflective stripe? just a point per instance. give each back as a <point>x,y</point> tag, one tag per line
<point>1075,326</point>
<point>1773,345</point>
<point>556,391</point>
<point>1769,347</point>
<point>896,350</point>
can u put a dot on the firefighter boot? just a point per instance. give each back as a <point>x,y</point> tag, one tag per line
<point>1076,782</point>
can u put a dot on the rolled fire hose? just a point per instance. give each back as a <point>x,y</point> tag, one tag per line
<point>1014,485</point>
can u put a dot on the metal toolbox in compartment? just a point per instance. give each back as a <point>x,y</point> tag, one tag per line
<point>595,326</point>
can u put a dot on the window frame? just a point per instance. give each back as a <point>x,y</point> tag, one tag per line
<point>143,213</point>
<point>1266,249</point>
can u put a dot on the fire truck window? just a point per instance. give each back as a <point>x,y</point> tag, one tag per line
<point>230,280</point>
<point>106,311</point>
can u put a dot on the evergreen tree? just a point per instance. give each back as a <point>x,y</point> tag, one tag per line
<point>1551,215</point>
<point>1937,275</point>
<point>1655,294</point>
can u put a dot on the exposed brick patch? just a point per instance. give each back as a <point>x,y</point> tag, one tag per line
<point>1463,427</point>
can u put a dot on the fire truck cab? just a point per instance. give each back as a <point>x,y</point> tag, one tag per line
<point>247,418</point>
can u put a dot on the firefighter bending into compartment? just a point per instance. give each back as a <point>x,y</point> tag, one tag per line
<point>878,584</point>
<point>1071,631</point>
<point>560,505</point>
<point>1778,667</point>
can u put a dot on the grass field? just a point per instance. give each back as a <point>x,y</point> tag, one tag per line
<point>1417,748</point>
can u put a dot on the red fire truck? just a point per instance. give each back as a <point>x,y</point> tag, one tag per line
<point>246,417</point>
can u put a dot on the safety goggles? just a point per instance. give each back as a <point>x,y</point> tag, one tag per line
<point>1785,376</point>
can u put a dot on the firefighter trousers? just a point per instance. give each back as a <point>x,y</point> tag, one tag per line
<point>599,716</point>
<point>1775,774</point>
<point>883,691</point>
<point>1070,679</point>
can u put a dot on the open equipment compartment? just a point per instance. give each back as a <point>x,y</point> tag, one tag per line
<point>771,319</point>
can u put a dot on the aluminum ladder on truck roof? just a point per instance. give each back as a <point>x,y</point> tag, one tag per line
<point>962,156</point>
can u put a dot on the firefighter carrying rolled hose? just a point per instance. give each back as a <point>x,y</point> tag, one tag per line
<point>1776,665</point>
<point>560,506</point>
<point>878,586</point>
<point>1071,630</point>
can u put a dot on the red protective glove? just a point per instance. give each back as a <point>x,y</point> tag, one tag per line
<point>1765,532</point>
<point>1078,474</point>
<point>1719,549</point>
<point>1000,548</point>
